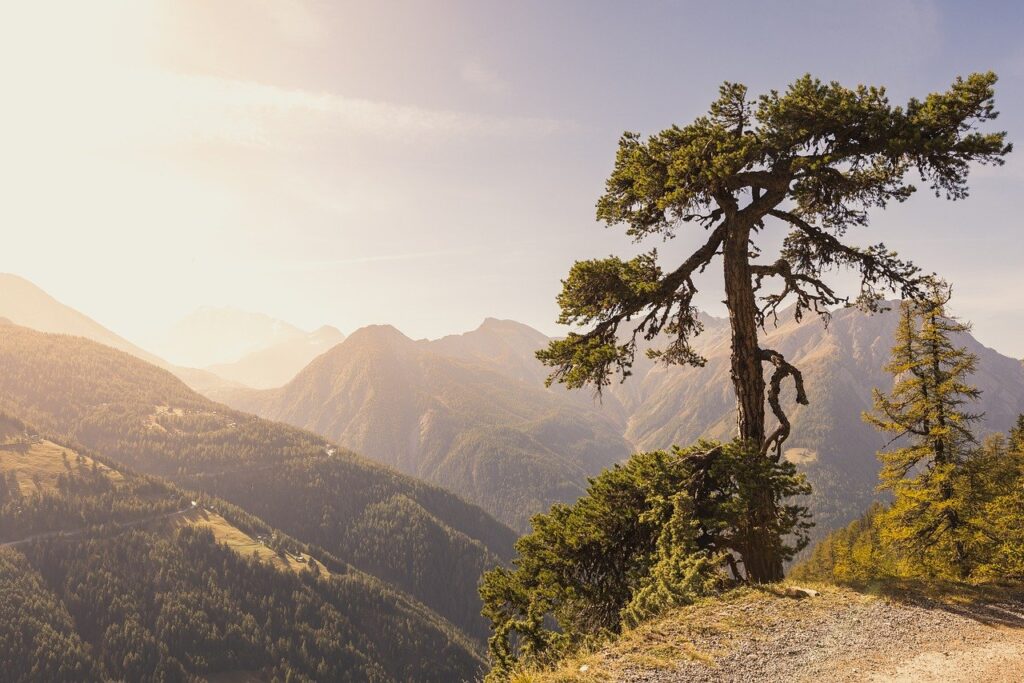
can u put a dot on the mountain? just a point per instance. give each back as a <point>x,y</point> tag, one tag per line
<point>462,410</point>
<point>422,540</point>
<point>275,365</point>
<point>841,364</point>
<point>463,413</point>
<point>212,336</point>
<point>109,575</point>
<point>22,303</point>
<point>25,304</point>
<point>506,346</point>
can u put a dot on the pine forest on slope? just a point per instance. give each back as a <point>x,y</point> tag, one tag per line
<point>141,416</point>
<point>85,546</point>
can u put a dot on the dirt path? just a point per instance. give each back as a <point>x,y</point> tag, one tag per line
<point>995,662</point>
<point>79,533</point>
<point>838,636</point>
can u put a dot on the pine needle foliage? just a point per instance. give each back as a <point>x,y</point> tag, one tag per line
<point>957,510</point>
<point>656,532</point>
<point>927,413</point>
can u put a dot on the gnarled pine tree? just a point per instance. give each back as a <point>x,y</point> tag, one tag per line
<point>814,159</point>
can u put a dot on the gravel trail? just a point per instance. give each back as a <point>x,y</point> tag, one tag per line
<point>838,636</point>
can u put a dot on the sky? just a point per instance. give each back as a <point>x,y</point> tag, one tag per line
<point>429,164</point>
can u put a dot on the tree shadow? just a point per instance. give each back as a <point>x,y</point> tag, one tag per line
<point>991,604</point>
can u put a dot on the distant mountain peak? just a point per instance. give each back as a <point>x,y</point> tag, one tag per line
<point>505,325</point>
<point>377,334</point>
<point>215,335</point>
<point>327,331</point>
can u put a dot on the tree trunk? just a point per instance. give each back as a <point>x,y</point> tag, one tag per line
<point>763,562</point>
<point>747,376</point>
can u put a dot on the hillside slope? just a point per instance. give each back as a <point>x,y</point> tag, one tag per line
<point>84,547</point>
<point>142,416</point>
<point>25,304</point>
<point>970,636</point>
<point>510,446</point>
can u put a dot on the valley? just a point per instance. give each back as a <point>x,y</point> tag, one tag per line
<point>481,342</point>
<point>145,418</point>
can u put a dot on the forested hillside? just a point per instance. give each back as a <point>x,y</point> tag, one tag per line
<point>142,416</point>
<point>23,303</point>
<point>106,574</point>
<point>501,441</point>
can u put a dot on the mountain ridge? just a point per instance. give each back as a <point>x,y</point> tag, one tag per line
<point>455,421</point>
<point>142,416</point>
<point>26,304</point>
<point>657,407</point>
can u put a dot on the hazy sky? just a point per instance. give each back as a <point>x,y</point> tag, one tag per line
<point>428,164</point>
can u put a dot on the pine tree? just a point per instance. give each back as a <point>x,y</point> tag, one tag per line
<point>813,161</point>
<point>1017,434</point>
<point>926,411</point>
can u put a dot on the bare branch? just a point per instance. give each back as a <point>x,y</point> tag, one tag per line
<point>810,249</point>
<point>811,292</point>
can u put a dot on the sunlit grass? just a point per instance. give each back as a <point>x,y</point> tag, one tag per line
<point>37,465</point>
<point>242,543</point>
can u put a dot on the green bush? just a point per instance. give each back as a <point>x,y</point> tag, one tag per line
<point>655,532</point>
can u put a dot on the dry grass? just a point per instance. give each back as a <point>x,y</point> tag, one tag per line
<point>37,465</point>
<point>666,642</point>
<point>244,544</point>
<point>749,620</point>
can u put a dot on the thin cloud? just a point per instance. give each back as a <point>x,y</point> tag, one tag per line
<point>327,264</point>
<point>258,114</point>
<point>483,79</point>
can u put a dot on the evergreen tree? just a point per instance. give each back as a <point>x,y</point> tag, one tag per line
<point>812,160</point>
<point>1017,434</point>
<point>989,498</point>
<point>926,411</point>
<point>650,534</point>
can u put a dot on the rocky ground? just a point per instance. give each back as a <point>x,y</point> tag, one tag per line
<point>836,635</point>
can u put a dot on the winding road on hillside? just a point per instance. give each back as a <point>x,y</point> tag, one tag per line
<point>65,534</point>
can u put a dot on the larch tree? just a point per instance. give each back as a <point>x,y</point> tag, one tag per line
<point>1017,433</point>
<point>814,159</point>
<point>928,417</point>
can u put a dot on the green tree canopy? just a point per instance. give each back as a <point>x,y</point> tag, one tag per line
<point>814,159</point>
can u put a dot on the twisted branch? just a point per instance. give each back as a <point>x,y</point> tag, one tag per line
<point>783,369</point>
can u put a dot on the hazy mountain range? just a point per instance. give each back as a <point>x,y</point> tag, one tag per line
<point>277,363</point>
<point>469,411</point>
<point>23,303</point>
<point>440,412</point>
<point>419,540</point>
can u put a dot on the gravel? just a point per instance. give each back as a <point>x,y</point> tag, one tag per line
<point>836,636</point>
